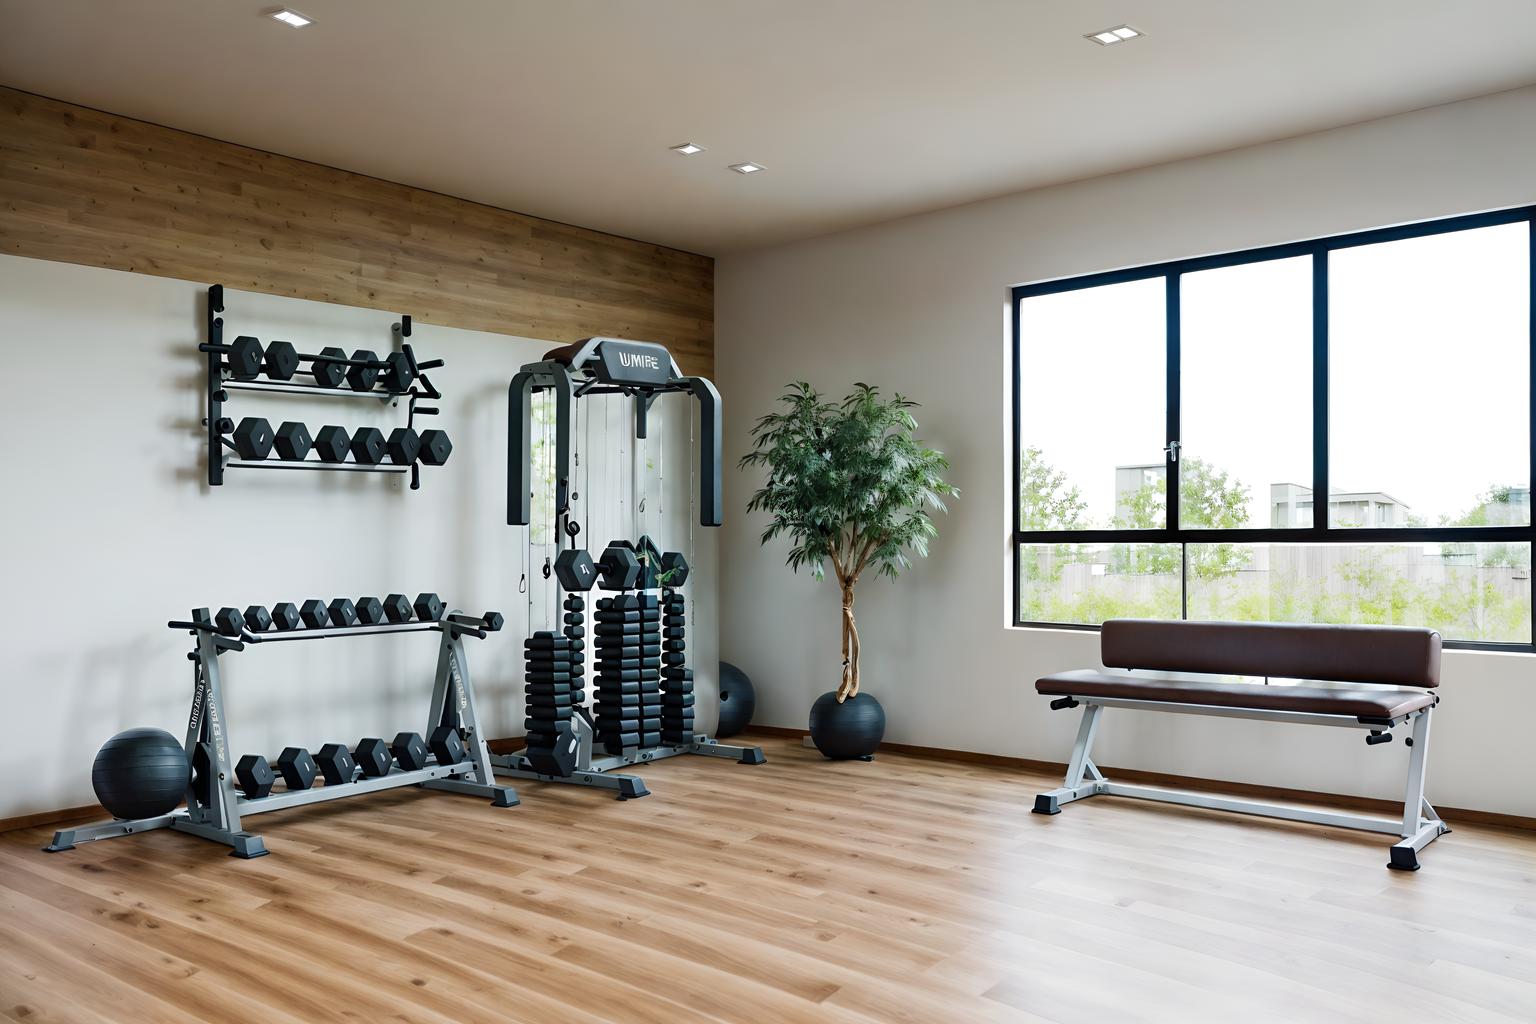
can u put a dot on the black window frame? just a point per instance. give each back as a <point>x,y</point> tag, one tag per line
<point>1320,532</point>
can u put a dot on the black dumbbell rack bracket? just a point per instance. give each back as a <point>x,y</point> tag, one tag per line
<point>219,819</point>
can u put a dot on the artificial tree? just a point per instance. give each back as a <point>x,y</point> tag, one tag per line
<point>847,484</point>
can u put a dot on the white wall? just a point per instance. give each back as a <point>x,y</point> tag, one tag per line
<point>109,528</point>
<point>918,305</point>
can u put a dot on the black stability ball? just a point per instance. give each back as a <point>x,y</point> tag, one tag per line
<point>851,729</point>
<point>737,700</point>
<point>140,773</point>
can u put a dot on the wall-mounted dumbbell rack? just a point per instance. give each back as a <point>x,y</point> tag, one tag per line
<point>223,453</point>
<point>216,809</point>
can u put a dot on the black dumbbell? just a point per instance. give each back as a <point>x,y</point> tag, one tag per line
<point>282,362</point>
<point>314,613</point>
<point>243,356</point>
<point>342,613</point>
<point>435,447</point>
<point>336,764</point>
<point>253,438</point>
<point>332,444</point>
<point>229,621</point>
<point>446,745</point>
<point>397,608</point>
<point>399,372</point>
<point>428,607</point>
<point>368,446</point>
<point>285,616</point>
<point>675,568</point>
<point>258,619</point>
<point>254,776</point>
<point>329,368</point>
<point>373,757</point>
<point>370,611</point>
<point>364,370</point>
<point>297,768</point>
<point>410,751</point>
<point>574,570</point>
<point>292,441</point>
<point>404,446</point>
<point>619,566</point>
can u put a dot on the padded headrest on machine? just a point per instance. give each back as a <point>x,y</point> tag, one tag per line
<point>1386,655</point>
<point>565,353</point>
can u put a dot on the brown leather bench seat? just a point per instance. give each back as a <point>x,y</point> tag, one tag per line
<point>1177,688</point>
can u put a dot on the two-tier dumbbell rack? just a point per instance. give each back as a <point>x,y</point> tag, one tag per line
<point>215,808</point>
<point>220,383</point>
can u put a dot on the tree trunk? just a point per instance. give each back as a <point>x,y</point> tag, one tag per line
<point>849,687</point>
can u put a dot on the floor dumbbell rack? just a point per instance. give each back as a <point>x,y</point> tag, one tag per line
<point>218,813</point>
<point>220,383</point>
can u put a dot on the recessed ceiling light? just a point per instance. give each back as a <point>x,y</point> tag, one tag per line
<point>293,18</point>
<point>747,168</point>
<point>1111,36</point>
<point>688,148</point>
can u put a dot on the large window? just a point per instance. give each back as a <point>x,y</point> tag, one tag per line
<point>1175,425</point>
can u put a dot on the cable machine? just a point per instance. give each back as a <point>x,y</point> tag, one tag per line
<point>644,709</point>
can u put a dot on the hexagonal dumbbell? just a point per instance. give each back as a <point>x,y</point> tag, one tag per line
<point>297,768</point>
<point>314,613</point>
<point>336,764</point>
<point>410,751</point>
<point>399,374</point>
<point>574,570</point>
<point>674,569</point>
<point>332,444</point>
<point>327,371</point>
<point>435,447</point>
<point>429,608</point>
<point>253,438</point>
<point>373,757</point>
<point>397,608</point>
<point>258,619</point>
<point>285,616</point>
<point>370,611</point>
<point>292,442</point>
<point>446,745</point>
<point>281,361</point>
<point>361,378</point>
<point>404,445</point>
<point>254,776</point>
<point>243,357</point>
<point>229,621</point>
<point>620,567</point>
<point>368,446</point>
<point>342,612</point>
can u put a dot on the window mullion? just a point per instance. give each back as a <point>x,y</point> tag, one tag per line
<point>1320,393</point>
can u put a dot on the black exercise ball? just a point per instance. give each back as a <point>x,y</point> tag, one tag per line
<point>737,701</point>
<point>851,729</point>
<point>140,773</point>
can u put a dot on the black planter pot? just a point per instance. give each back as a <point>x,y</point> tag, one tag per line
<point>848,730</point>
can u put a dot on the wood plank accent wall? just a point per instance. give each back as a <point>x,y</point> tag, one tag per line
<point>81,186</point>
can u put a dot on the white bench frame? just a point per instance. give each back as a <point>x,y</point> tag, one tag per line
<point>1419,826</point>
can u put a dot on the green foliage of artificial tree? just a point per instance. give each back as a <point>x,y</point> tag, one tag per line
<point>847,484</point>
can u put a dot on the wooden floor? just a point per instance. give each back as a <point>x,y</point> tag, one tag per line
<point>801,890</point>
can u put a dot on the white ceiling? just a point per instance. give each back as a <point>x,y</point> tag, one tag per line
<point>861,110</point>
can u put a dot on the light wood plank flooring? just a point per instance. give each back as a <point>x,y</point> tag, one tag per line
<point>901,890</point>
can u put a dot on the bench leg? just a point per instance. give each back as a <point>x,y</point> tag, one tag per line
<point>1421,825</point>
<point>1081,764</point>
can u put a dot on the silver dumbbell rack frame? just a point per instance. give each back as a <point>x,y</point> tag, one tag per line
<point>220,818</point>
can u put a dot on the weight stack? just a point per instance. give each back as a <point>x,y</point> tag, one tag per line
<point>553,681</point>
<point>676,676</point>
<point>626,636</point>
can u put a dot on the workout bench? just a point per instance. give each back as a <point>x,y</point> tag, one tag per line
<point>1376,678</point>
